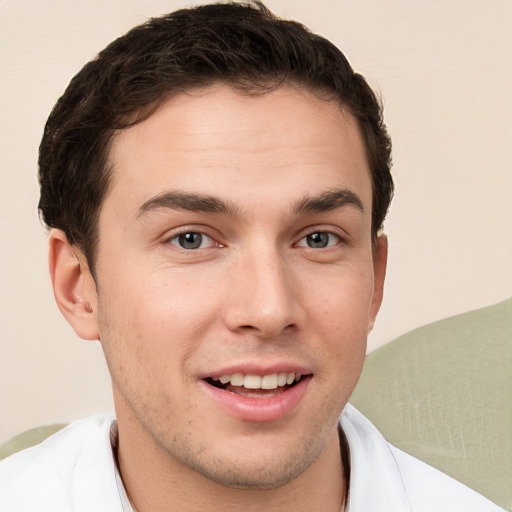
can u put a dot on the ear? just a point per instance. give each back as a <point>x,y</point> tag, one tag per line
<point>380,259</point>
<point>73,285</point>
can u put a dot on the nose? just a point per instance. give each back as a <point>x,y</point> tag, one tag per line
<point>262,296</point>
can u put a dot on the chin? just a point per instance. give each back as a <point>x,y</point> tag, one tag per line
<point>262,478</point>
<point>259,469</point>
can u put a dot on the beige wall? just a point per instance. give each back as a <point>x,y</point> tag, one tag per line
<point>445,72</point>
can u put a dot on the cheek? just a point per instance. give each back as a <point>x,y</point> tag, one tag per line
<point>339,317</point>
<point>159,315</point>
<point>343,300</point>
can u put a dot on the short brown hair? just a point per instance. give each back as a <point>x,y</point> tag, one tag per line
<point>243,45</point>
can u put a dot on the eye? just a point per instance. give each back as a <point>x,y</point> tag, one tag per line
<point>192,240</point>
<point>319,240</point>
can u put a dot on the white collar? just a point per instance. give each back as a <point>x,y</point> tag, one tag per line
<point>375,479</point>
<point>114,441</point>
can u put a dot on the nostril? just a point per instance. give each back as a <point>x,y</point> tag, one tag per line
<point>248,328</point>
<point>268,331</point>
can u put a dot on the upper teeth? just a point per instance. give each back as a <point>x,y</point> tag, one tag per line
<point>260,382</point>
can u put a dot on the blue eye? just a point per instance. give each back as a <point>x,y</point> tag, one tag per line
<point>192,240</point>
<point>319,240</point>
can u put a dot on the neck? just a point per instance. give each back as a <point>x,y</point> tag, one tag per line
<point>155,482</point>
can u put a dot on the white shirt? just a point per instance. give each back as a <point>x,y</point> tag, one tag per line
<point>74,470</point>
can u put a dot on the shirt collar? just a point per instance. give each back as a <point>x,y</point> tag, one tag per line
<point>114,441</point>
<point>375,479</point>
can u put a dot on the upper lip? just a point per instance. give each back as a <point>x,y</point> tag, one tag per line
<point>257,369</point>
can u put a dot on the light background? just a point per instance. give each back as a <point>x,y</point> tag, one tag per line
<point>444,70</point>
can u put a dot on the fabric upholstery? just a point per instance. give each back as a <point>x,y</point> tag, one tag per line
<point>29,438</point>
<point>443,393</point>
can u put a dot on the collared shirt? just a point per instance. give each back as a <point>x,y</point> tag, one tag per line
<point>125,502</point>
<point>74,470</point>
<point>123,496</point>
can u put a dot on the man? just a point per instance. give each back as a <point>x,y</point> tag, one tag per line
<point>216,183</point>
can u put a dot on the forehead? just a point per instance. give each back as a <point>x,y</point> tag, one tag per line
<point>219,141</point>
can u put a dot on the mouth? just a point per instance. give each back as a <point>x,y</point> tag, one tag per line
<point>258,398</point>
<point>255,386</point>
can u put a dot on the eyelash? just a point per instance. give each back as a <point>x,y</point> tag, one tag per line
<point>323,236</point>
<point>179,237</point>
<point>331,237</point>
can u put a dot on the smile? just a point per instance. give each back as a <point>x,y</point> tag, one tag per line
<point>258,398</point>
<point>267,382</point>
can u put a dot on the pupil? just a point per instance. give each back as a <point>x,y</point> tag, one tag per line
<point>190,240</point>
<point>318,240</point>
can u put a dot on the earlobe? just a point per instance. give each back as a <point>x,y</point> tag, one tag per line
<point>73,286</point>
<point>380,259</point>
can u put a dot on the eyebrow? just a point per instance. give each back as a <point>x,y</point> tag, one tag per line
<point>329,201</point>
<point>176,200</point>
<point>186,201</point>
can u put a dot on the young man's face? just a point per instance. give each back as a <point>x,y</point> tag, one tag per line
<point>235,245</point>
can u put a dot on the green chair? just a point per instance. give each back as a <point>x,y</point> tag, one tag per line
<point>29,438</point>
<point>443,393</point>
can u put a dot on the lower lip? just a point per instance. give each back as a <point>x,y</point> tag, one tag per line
<point>259,409</point>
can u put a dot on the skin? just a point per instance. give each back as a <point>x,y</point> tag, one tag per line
<point>254,293</point>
